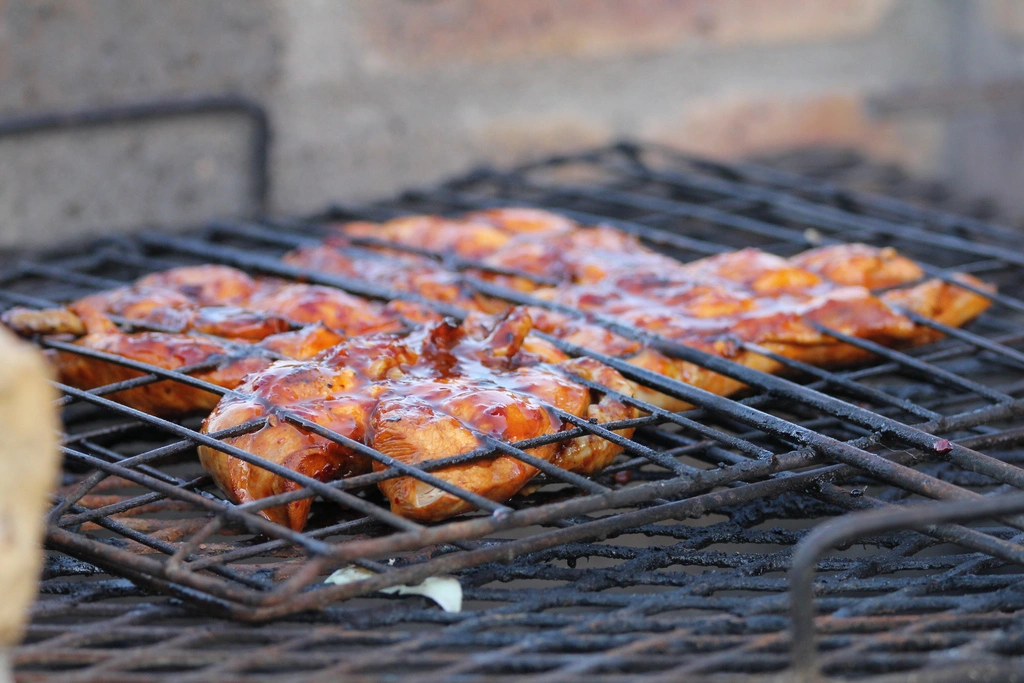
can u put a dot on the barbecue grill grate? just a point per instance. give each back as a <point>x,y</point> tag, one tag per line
<point>672,562</point>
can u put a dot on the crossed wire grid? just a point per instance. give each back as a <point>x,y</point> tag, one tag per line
<point>670,562</point>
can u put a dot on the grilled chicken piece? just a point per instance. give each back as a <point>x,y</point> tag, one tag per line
<point>169,351</point>
<point>581,255</point>
<point>227,302</point>
<point>337,391</point>
<point>884,269</point>
<point>205,314</point>
<point>727,305</point>
<point>439,391</point>
<point>528,240</point>
<point>394,270</point>
<point>473,236</point>
<point>441,235</point>
<point>230,360</point>
<point>30,322</point>
<point>860,265</point>
<point>730,305</point>
<point>430,419</point>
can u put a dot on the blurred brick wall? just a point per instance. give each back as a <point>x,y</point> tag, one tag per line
<point>367,97</point>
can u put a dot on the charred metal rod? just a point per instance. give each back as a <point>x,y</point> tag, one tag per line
<point>71,276</point>
<point>144,571</point>
<point>277,544</point>
<point>1016,358</point>
<point>950,533</point>
<point>800,210</point>
<point>859,525</point>
<point>855,388</point>
<point>163,546</point>
<point>253,522</point>
<point>771,185</point>
<point>89,482</point>
<point>927,369</point>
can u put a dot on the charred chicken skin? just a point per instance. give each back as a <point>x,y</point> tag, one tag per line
<point>439,391</point>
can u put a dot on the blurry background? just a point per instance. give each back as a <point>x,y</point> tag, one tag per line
<point>368,97</point>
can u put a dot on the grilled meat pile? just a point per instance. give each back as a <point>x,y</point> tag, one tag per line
<point>396,377</point>
<point>730,305</point>
<point>440,391</point>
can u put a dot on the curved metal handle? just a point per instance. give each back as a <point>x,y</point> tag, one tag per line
<point>805,557</point>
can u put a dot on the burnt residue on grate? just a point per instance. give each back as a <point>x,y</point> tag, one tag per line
<point>671,563</point>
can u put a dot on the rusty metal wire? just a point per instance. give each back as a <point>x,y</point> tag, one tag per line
<point>669,564</point>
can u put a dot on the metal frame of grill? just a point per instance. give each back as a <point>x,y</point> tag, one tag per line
<point>936,423</point>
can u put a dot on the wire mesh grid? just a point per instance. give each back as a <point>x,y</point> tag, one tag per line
<point>670,562</point>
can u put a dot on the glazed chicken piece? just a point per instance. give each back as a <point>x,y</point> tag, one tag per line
<point>725,305</point>
<point>860,265</point>
<point>473,236</point>
<point>439,391</point>
<point>494,389</point>
<point>521,239</point>
<point>337,391</point>
<point>884,269</point>
<point>584,255</point>
<point>205,314</point>
<point>229,303</point>
<point>526,240</point>
<point>398,271</point>
<point>231,363</point>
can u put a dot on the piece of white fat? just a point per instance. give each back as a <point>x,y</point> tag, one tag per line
<point>446,591</point>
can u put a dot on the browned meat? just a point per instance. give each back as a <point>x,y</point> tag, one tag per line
<point>396,378</point>
<point>204,313</point>
<point>395,270</point>
<point>439,391</point>
<point>721,304</point>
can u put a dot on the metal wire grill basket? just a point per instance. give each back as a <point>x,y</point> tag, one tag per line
<point>672,562</point>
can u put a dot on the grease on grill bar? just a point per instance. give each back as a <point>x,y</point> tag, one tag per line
<point>670,563</point>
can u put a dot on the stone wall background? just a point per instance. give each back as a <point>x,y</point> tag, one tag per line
<point>370,96</point>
